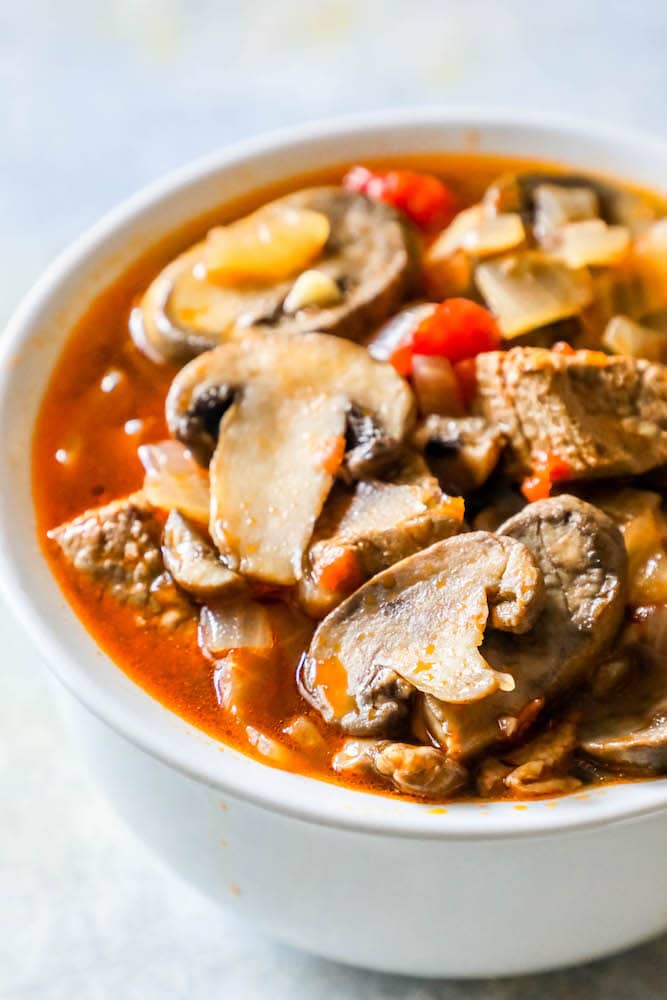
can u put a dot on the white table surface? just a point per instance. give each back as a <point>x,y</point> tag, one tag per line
<point>97,98</point>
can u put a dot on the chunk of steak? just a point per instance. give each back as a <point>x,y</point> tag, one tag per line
<point>118,546</point>
<point>539,767</point>
<point>417,770</point>
<point>599,416</point>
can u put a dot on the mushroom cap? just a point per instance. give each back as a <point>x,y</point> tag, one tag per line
<point>194,563</point>
<point>424,619</point>
<point>372,254</point>
<point>319,362</point>
<point>584,565</point>
<point>282,438</point>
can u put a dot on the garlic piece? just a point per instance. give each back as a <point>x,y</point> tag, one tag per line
<point>312,288</point>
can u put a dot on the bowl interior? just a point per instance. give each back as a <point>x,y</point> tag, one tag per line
<point>33,341</point>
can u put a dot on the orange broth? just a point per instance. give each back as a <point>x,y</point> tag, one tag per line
<point>96,433</point>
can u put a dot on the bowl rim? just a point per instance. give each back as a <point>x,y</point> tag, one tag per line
<point>263,785</point>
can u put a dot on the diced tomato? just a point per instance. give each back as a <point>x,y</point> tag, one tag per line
<point>342,573</point>
<point>455,507</point>
<point>401,357</point>
<point>549,468</point>
<point>423,197</point>
<point>584,355</point>
<point>333,457</point>
<point>537,487</point>
<point>594,358</point>
<point>562,347</point>
<point>457,329</point>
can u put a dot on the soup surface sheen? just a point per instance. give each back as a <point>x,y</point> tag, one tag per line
<point>106,398</point>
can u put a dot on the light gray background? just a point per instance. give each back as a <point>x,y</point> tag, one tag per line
<point>95,100</point>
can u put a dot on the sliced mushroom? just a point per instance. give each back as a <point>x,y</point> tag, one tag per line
<point>626,730</point>
<point>194,563</point>
<point>204,390</point>
<point>462,452</point>
<point>417,770</point>
<point>423,620</point>
<point>364,529</point>
<point>371,254</point>
<point>584,565</point>
<point>282,440</point>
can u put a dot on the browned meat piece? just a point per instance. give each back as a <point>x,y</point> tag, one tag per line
<point>418,627</point>
<point>537,768</point>
<point>461,451</point>
<point>372,255</point>
<point>601,420</point>
<point>416,770</point>
<point>119,546</point>
<point>584,564</point>
<point>371,526</point>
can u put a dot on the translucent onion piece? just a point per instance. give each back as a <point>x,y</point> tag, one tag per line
<point>624,336</point>
<point>436,386</point>
<point>644,528</point>
<point>591,243</point>
<point>174,481</point>
<point>274,751</point>
<point>479,233</point>
<point>267,246</point>
<point>558,204</point>
<point>235,624</point>
<point>451,239</point>
<point>649,263</point>
<point>529,290</point>
<point>398,329</point>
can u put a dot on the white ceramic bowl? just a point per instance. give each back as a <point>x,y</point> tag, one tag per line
<point>471,890</point>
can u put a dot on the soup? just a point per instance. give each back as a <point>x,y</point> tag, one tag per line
<point>363,477</point>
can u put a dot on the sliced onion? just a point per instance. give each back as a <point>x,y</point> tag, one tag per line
<point>398,329</point>
<point>557,204</point>
<point>591,243</point>
<point>174,481</point>
<point>479,233</point>
<point>306,735</point>
<point>451,239</point>
<point>232,625</point>
<point>272,750</point>
<point>436,386</point>
<point>649,263</point>
<point>624,336</point>
<point>529,290</point>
